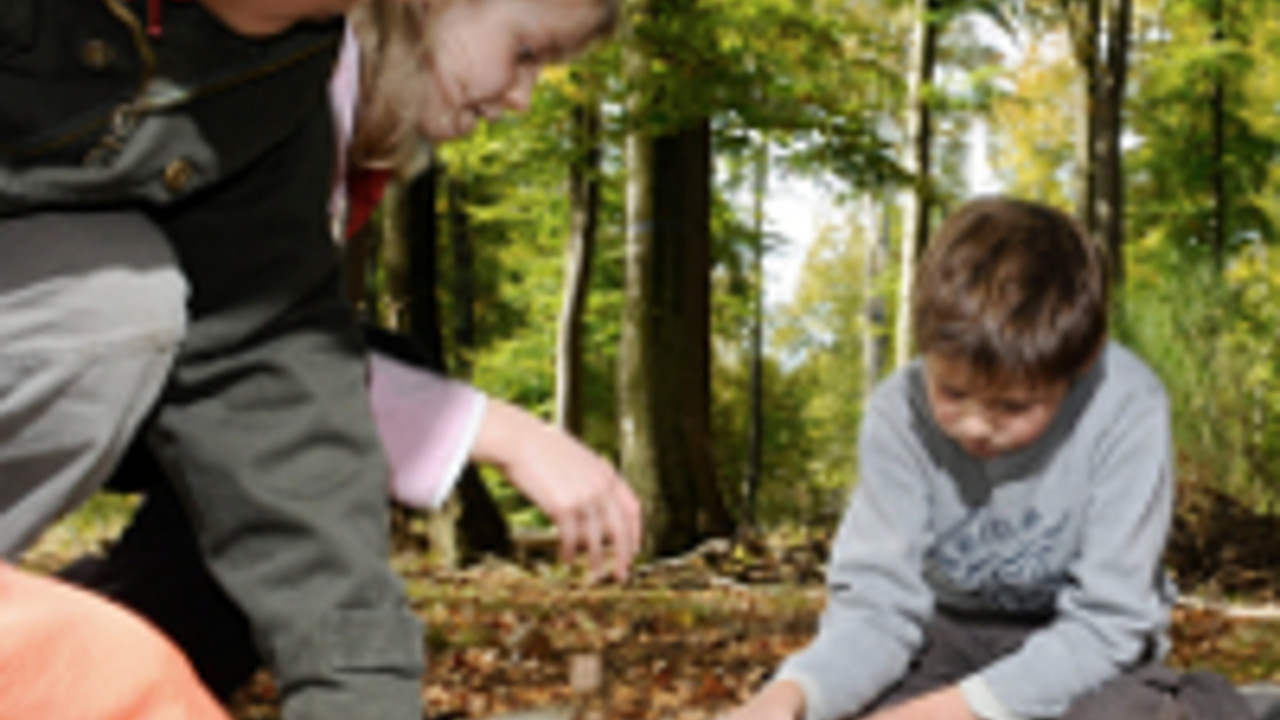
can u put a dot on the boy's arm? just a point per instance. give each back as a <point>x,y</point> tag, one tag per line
<point>877,600</point>
<point>1112,612</point>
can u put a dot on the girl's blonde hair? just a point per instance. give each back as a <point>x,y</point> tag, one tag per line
<point>393,39</point>
<point>392,36</point>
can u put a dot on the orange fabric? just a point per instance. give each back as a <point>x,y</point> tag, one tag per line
<point>66,654</point>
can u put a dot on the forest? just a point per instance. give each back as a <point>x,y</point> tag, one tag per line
<point>601,260</point>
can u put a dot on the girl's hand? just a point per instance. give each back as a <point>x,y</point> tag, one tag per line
<point>590,504</point>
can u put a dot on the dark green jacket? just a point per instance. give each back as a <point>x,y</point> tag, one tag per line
<point>227,144</point>
<point>95,109</point>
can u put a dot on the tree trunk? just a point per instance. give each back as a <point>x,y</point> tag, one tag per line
<point>584,202</point>
<point>1110,160</point>
<point>915,232</point>
<point>1084,22</point>
<point>875,253</point>
<point>462,284</point>
<point>664,359</point>
<point>1218,106</point>
<point>686,207</point>
<point>664,356</point>
<point>755,459</point>
<point>422,224</point>
<point>638,431</point>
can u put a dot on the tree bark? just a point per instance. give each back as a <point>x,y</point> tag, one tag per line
<point>462,283</point>
<point>638,435</point>
<point>584,208</point>
<point>1084,22</point>
<point>1218,106</point>
<point>755,459</point>
<point>875,253</point>
<point>915,232</point>
<point>422,224</point>
<point>664,356</point>
<point>1110,160</point>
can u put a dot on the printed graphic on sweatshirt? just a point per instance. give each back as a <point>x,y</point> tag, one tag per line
<point>1008,563</point>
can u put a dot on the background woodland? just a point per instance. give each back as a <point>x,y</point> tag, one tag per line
<point>600,259</point>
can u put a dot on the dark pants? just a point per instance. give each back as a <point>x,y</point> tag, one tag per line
<point>955,648</point>
<point>157,569</point>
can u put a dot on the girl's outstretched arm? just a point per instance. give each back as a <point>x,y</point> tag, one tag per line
<point>591,505</point>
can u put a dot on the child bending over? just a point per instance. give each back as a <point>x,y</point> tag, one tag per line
<point>183,162</point>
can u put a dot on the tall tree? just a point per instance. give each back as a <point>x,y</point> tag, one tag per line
<point>1084,20</point>
<point>875,256</point>
<point>755,445</point>
<point>915,232</point>
<point>462,280</point>
<point>1110,163</point>
<point>584,210</point>
<point>1218,109</point>
<point>664,355</point>
<point>1101,51</point>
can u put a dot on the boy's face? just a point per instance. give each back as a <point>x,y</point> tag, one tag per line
<point>485,56</point>
<point>257,18</point>
<point>988,418</point>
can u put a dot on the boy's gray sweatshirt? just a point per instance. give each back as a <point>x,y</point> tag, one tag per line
<point>1072,527</point>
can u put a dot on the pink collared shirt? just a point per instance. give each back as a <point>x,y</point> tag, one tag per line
<point>428,423</point>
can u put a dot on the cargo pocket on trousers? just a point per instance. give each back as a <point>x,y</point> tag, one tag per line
<point>376,641</point>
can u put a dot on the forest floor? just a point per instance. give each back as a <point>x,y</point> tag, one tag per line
<point>689,637</point>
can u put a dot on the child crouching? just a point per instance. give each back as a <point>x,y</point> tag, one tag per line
<point>1001,555</point>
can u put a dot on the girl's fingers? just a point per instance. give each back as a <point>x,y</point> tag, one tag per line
<point>629,506</point>
<point>594,537</point>
<point>624,548</point>
<point>569,536</point>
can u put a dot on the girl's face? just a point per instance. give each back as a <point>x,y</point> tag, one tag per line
<point>485,56</point>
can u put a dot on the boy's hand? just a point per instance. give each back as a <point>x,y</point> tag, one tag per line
<point>582,493</point>
<point>945,704</point>
<point>781,700</point>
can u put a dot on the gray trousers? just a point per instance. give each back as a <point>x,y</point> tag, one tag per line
<point>92,309</point>
<point>955,648</point>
